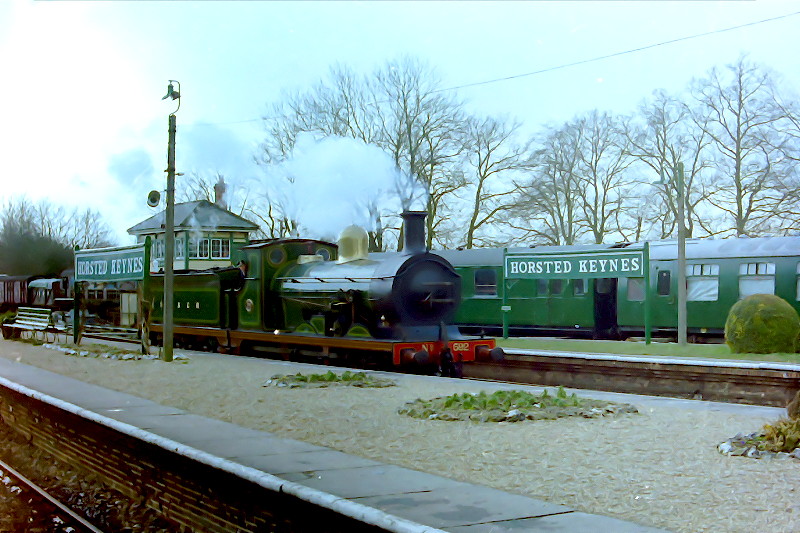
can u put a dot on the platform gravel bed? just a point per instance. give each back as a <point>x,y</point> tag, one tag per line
<point>658,468</point>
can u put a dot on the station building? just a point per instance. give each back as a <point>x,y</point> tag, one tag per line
<point>206,236</point>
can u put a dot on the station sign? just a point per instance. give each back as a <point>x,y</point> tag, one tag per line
<point>622,264</point>
<point>126,263</point>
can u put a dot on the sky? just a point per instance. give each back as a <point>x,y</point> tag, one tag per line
<point>83,123</point>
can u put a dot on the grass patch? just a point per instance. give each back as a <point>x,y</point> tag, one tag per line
<point>664,349</point>
<point>328,379</point>
<point>511,406</point>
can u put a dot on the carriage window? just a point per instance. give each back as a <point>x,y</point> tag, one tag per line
<point>702,283</point>
<point>798,281</point>
<point>541,287</point>
<point>486,282</point>
<point>556,286</point>
<point>756,278</point>
<point>603,286</point>
<point>578,287</point>
<point>635,289</point>
<point>663,283</point>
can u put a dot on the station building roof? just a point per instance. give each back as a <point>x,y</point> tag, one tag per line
<point>200,215</point>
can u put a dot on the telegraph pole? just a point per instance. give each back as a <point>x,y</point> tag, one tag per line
<point>169,229</point>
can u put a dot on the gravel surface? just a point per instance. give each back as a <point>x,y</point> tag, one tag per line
<point>658,468</point>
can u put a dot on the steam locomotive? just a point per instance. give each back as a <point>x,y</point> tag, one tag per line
<point>304,297</point>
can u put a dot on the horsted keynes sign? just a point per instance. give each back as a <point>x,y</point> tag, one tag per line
<point>127,263</point>
<point>622,264</point>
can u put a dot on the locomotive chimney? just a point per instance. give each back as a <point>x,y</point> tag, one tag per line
<point>414,232</point>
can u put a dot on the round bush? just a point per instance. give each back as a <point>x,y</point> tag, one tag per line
<point>762,323</point>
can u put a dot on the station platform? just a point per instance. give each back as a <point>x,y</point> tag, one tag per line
<point>385,496</point>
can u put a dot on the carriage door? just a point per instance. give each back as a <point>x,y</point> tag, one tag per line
<point>605,308</point>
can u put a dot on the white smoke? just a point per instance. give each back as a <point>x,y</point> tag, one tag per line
<point>331,182</point>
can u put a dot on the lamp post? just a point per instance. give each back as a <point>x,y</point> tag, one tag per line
<point>678,179</point>
<point>169,226</point>
<point>681,256</point>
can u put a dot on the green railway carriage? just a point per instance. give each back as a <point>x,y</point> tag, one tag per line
<point>545,306</point>
<point>719,272</point>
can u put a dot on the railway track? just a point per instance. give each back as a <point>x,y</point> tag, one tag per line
<point>38,510</point>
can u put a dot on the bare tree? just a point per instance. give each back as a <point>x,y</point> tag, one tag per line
<point>39,237</point>
<point>739,112</point>
<point>421,128</point>
<point>787,181</point>
<point>665,136</point>
<point>209,186</point>
<point>340,105</point>
<point>603,185</point>
<point>492,155</point>
<point>547,208</point>
<point>397,109</point>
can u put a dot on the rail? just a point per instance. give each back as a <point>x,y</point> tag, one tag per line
<point>100,331</point>
<point>73,516</point>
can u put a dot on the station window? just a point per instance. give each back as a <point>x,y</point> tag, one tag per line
<point>220,248</point>
<point>756,278</point>
<point>702,283</point>
<point>635,289</point>
<point>179,248</point>
<point>486,282</point>
<point>663,283</point>
<point>158,249</point>
<point>198,248</point>
<point>578,287</point>
<point>556,286</point>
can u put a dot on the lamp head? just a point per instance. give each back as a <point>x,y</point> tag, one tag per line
<point>153,198</point>
<point>171,92</point>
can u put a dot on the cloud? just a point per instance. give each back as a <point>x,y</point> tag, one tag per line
<point>132,167</point>
<point>207,147</point>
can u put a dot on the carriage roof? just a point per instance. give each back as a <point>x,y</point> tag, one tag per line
<point>696,249</point>
<point>759,247</point>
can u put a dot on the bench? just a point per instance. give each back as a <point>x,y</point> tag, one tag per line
<point>32,319</point>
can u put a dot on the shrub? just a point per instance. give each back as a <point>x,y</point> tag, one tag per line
<point>762,323</point>
<point>781,436</point>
